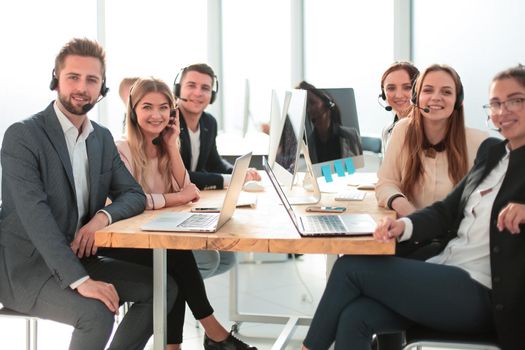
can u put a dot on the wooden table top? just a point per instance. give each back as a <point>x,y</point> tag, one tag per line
<point>266,228</point>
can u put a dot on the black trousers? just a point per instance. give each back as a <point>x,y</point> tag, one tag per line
<point>368,295</point>
<point>183,269</point>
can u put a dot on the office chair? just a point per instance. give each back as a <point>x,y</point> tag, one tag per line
<point>419,337</point>
<point>31,326</point>
<point>372,150</point>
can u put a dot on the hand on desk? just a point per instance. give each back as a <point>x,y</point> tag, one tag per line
<point>388,229</point>
<point>105,292</point>
<point>84,243</point>
<point>252,175</point>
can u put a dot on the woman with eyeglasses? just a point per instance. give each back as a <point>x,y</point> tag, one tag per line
<point>429,153</point>
<point>477,283</point>
<point>396,91</point>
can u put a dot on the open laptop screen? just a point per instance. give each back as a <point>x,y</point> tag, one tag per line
<point>280,192</point>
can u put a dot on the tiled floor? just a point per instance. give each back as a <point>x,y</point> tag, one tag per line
<point>265,287</point>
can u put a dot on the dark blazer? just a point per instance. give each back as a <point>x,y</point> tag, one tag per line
<point>210,165</point>
<point>39,212</point>
<point>507,251</point>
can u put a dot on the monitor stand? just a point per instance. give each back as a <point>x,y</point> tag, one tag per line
<point>297,195</point>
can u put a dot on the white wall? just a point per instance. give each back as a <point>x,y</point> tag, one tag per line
<point>477,37</point>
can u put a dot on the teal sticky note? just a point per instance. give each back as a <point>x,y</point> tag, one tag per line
<point>339,168</point>
<point>350,165</point>
<point>327,172</point>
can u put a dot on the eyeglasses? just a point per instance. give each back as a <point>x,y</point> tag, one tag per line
<point>511,105</point>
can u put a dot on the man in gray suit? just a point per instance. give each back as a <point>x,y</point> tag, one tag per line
<point>58,169</point>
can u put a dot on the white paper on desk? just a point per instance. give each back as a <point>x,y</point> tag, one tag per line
<point>357,179</point>
<point>247,200</point>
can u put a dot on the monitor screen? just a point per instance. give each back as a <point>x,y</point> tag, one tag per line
<point>287,135</point>
<point>332,128</point>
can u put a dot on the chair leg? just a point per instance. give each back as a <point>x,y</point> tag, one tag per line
<point>34,333</point>
<point>28,334</point>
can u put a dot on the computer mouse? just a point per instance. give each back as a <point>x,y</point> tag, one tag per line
<point>253,186</point>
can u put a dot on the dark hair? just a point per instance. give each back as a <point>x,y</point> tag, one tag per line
<point>517,73</point>
<point>408,67</point>
<point>202,68</point>
<point>335,113</point>
<point>81,47</point>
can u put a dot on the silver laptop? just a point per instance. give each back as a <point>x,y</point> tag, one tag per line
<point>205,222</point>
<point>324,225</point>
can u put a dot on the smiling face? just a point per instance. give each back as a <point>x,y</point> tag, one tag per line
<point>196,88</point>
<point>79,83</point>
<point>398,91</point>
<point>438,94</point>
<point>511,123</point>
<point>153,113</point>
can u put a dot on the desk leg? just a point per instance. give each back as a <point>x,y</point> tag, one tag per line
<point>159,299</point>
<point>290,322</point>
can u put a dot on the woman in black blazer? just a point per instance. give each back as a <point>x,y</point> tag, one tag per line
<point>476,284</point>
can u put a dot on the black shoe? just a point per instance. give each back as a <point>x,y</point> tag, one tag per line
<point>230,343</point>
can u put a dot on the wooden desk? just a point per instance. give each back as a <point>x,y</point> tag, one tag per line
<point>267,228</point>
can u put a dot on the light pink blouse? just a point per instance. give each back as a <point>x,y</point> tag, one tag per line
<point>435,183</point>
<point>153,178</point>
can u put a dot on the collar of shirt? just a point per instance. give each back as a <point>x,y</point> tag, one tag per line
<point>68,127</point>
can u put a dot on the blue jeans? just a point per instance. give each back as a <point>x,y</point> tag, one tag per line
<point>368,295</point>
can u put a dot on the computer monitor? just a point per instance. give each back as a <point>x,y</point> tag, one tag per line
<point>287,142</point>
<point>246,108</point>
<point>332,129</point>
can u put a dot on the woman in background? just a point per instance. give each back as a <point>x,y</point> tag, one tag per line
<point>430,152</point>
<point>150,151</point>
<point>396,90</point>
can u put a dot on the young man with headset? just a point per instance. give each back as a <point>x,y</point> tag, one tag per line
<point>58,169</point>
<point>196,89</point>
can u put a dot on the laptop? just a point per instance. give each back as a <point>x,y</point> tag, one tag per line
<point>323,225</point>
<point>204,222</point>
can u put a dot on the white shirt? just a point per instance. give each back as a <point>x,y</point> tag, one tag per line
<point>470,250</point>
<point>76,147</point>
<point>195,142</point>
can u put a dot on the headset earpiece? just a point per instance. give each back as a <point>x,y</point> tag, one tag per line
<point>459,96</point>
<point>133,114</point>
<point>54,84</point>
<point>413,99</point>
<point>54,81</point>
<point>383,95</point>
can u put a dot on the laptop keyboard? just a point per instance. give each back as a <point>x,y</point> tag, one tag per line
<point>199,220</point>
<point>323,223</point>
<point>352,195</point>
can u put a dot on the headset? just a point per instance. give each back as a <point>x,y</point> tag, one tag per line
<point>54,84</point>
<point>133,114</point>
<point>177,86</point>
<point>459,95</point>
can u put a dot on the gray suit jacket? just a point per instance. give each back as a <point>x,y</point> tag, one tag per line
<point>39,210</point>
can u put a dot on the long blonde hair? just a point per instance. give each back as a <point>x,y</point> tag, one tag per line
<point>455,140</point>
<point>136,139</point>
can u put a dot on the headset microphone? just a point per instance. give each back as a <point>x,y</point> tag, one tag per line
<point>424,109</point>
<point>387,107</point>
<point>88,106</point>
<point>491,125</point>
